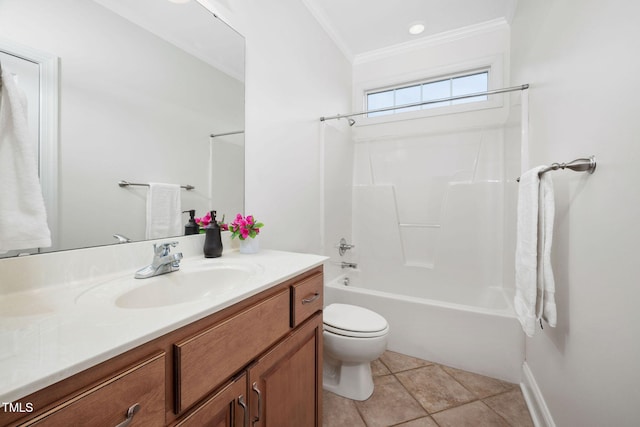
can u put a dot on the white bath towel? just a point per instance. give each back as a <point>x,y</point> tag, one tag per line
<point>23,218</point>
<point>163,211</point>
<point>535,287</point>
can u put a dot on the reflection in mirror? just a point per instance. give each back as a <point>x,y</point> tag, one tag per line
<point>143,86</point>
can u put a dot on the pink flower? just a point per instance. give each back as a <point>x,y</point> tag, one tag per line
<point>245,227</point>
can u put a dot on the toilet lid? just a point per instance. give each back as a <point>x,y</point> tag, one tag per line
<point>351,320</point>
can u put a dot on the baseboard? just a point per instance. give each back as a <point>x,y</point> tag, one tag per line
<point>535,401</point>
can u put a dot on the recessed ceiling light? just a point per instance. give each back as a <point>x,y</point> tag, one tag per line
<point>416,29</point>
<point>179,1</point>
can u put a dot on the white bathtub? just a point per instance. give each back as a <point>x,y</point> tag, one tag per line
<point>472,330</point>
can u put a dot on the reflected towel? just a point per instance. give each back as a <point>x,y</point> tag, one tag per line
<point>23,218</point>
<point>163,211</point>
<point>535,287</point>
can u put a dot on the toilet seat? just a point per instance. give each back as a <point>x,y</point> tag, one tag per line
<point>353,321</point>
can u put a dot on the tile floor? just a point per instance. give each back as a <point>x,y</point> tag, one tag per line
<point>411,392</point>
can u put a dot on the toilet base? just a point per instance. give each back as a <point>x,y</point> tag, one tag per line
<point>351,380</point>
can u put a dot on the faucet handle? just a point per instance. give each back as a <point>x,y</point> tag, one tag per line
<point>343,246</point>
<point>162,249</point>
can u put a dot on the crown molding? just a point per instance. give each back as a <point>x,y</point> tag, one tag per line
<point>433,40</point>
<point>326,25</point>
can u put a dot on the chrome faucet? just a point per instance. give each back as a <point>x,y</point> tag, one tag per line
<point>163,261</point>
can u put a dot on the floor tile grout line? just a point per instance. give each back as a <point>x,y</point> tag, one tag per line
<point>441,410</point>
<point>475,399</point>
<point>360,414</point>
<point>509,388</point>
<point>411,394</point>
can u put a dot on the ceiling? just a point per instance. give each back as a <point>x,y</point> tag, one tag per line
<point>360,26</point>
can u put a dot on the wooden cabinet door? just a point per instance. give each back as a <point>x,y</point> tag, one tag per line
<point>226,408</point>
<point>285,385</point>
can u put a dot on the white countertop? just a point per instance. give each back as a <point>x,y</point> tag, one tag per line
<point>51,333</point>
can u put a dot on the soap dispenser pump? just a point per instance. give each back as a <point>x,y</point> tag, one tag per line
<point>192,226</point>
<point>213,239</point>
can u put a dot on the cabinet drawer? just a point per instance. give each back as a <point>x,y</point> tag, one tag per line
<point>107,403</point>
<point>205,361</point>
<point>306,298</point>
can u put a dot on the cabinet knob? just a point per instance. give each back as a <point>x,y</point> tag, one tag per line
<point>131,412</point>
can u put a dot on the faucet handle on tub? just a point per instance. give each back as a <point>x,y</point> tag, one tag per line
<point>344,246</point>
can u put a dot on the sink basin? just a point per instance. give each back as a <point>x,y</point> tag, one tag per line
<point>176,288</point>
<point>182,286</point>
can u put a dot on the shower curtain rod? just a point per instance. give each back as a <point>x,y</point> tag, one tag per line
<point>434,101</point>
<point>213,135</point>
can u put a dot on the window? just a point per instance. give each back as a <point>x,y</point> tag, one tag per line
<point>428,91</point>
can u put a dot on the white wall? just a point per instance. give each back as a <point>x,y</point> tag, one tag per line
<point>580,57</point>
<point>294,75</point>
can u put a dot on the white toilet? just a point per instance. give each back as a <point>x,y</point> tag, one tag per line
<point>353,337</point>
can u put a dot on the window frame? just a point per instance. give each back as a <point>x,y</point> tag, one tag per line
<point>494,64</point>
<point>435,79</point>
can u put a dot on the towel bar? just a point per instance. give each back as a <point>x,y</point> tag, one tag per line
<point>124,183</point>
<point>578,165</point>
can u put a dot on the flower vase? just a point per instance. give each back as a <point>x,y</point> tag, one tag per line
<point>249,246</point>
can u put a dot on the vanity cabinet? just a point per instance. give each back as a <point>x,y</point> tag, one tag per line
<point>255,363</point>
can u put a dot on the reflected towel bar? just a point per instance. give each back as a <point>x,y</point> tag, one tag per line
<point>578,165</point>
<point>127,183</point>
<point>215,135</point>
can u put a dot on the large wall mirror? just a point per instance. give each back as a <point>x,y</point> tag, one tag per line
<point>138,88</point>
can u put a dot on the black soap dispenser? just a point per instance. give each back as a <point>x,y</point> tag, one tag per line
<point>213,240</point>
<point>192,226</point>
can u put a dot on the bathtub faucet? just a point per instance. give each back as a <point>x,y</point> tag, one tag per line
<point>348,264</point>
<point>343,246</point>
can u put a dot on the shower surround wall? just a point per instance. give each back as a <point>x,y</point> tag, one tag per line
<point>428,210</point>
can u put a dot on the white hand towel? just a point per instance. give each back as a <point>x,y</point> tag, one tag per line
<point>163,211</point>
<point>23,218</point>
<point>546,283</point>
<point>535,286</point>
